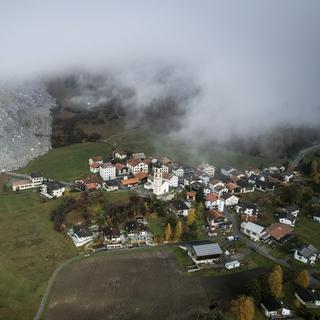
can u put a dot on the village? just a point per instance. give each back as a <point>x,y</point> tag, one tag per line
<point>227,208</point>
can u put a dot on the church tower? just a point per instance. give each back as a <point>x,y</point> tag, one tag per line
<point>157,178</point>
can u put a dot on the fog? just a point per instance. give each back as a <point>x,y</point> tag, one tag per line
<point>237,67</point>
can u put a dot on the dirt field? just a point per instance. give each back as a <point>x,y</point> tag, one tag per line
<point>138,285</point>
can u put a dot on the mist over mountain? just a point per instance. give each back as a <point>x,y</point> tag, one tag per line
<point>211,73</point>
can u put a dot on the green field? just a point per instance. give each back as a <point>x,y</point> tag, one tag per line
<point>29,252</point>
<point>308,230</point>
<point>67,163</point>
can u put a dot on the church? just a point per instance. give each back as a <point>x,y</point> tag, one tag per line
<point>156,183</point>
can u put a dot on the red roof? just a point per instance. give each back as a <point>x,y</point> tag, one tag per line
<point>95,165</point>
<point>126,182</point>
<point>141,175</point>
<point>212,197</point>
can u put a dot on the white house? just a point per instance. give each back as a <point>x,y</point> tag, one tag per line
<point>287,218</point>
<point>97,159</point>
<point>232,264</point>
<point>171,179</point>
<point>214,202</point>
<point>139,155</point>
<point>230,199</point>
<point>219,188</point>
<point>308,297</point>
<point>254,231</point>
<point>110,185</point>
<point>228,171</point>
<point>107,171</point>
<point>22,185</point>
<point>94,167</point>
<point>247,208</point>
<point>179,208</point>
<point>274,309</point>
<point>177,171</point>
<point>137,165</point>
<point>119,154</point>
<point>36,179</point>
<point>207,169</point>
<point>308,255</point>
<point>316,217</point>
<point>80,236</point>
<point>52,189</point>
<point>293,209</point>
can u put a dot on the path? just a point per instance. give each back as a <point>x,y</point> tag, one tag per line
<point>303,152</point>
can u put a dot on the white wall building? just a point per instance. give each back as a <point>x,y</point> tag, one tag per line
<point>160,186</point>
<point>107,171</point>
<point>178,171</point>
<point>52,189</point>
<point>254,231</point>
<point>307,255</point>
<point>137,165</point>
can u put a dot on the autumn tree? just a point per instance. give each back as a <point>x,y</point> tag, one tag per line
<point>314,171</point>
<point>168,232</point>
<point>178,231</point>
<point>243,308</point>
<point>303,279</point>
<point>191,216</point>
<point>276,282</point>
<point>199,209</point>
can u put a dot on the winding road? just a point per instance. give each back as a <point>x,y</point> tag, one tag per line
<point>303,152</point>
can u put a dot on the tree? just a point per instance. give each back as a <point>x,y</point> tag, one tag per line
<point>303,279</point>
<point>178,231</point>
<point>191,216</point>
<point>243,308</point>
<point>200,195</point>
<point>275,282</point>
<point>314,168</point>
<point>199,209</point>
<point>168,232</point>
<point>254,290</point>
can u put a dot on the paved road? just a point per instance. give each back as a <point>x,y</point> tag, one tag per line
<point>303,152</point>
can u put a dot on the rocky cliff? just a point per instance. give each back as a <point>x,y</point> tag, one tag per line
<point>25,124</point>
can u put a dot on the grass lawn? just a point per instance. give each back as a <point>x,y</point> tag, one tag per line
<point>182,257</point>
<point>308,230</point>
<point>155,225</point>
<point>29,252</point>
<point>67,163</point>
<point>255,260</point>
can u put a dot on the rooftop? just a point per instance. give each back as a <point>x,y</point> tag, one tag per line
<point>207,249</point>
<point>279,230</point>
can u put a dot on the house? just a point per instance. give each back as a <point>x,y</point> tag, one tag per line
<point>232,264</point>
<point>207,169</point>
<point>110,185</point>
<point>131,182</point>
<point>287,176</point>
<point>279,231</point>
<point>137,165</point>
<point>315,201</point>
<point>142,177</point>
<point>36,179</point>
<point>121,169</point>
<point>308,297</point>
<point>293,209</point>
<point>94,167</point>
<point>247,208</point>
<point>218,188</point>
<point>203,178</point>
<point>264,186</point>
<point>214,202</point>
<point>287,218</point>
<point>22,185</point>
<point>228,171</point>
<point>179,208</point>
<point>112,237</point>
<point>97,159</point>
<point>316,217</point>
<point>119,154</point>
<point>230,199</point>
<point>177,171</point>
<point>191,196</point>
<point>252,172</point>
<point>157,183</point>
<point>245,186</point>
<point>86,183</point>
<point>166,161</point>
<point>204,252</point>
<point>52,189</point>
<point>233,188</point>
<point>217,220</point>
<point>172,179</point>
<point>80,235</point>
<point>139,156</point>
<point>308,254</point>
<point>188,170</point>
<point>254,231</point>
<point>107,171</point>
<point>274,309</point>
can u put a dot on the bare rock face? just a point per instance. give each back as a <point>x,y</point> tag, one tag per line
<point>25,124</point>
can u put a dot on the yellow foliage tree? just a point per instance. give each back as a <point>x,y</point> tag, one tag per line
<point>303,279</point>
<point>178,231</point>
<point>191,216</point>
<point>168,232</point>
<point>275,282</point>
<point>243,308</point>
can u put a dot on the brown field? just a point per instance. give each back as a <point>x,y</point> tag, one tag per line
<point>139,285</point>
